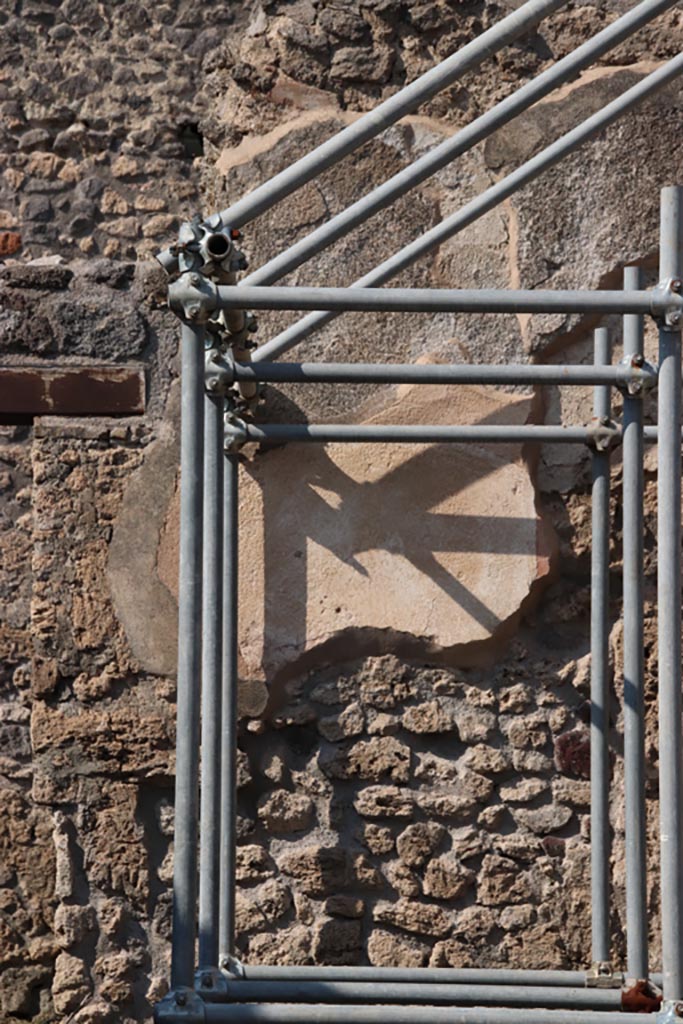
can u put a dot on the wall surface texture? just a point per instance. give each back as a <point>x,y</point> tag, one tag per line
<point>414,747</point>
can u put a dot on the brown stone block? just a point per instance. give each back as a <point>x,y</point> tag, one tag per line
<point>72,391</point>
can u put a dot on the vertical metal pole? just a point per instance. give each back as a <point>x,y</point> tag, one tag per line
<point>212,623</point>
<point>600,845</point>
<point>669,605</point>
<point>634,705</point>
<point>189,657</point>
<point>229,710</point>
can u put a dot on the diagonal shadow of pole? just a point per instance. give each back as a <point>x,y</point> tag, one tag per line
<point>324,503</point>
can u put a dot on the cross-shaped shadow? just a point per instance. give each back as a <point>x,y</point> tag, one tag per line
<point>311,500</point>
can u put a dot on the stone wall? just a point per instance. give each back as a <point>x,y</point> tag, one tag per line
<point>414,693</point>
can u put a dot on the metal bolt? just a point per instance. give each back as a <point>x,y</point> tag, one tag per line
<point>604,422</point>
<point>196,280</point>
<point>207,981</point>
<point>181,999</point>
<point>676,284</point>
<point>675,317</point>
<point>212,384</point>
<point>638,360</point>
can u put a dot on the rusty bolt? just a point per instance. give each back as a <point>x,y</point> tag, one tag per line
<point>638,360</point>
<point>678,1009</point>
<point>676,284</point>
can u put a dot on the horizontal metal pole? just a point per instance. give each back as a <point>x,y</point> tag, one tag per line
<point>368,373</point>
<point>304,991</point>
<point>483,203</point>
<point>431,975</point>
<point>401,434</point>
<point>434,300</point>
<point>564,71</point>
<point>265,196</point>
<point>294,1013</point>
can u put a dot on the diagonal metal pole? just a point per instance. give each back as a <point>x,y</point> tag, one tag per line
<point>452,148</point>
<point>634,705</point>
<point>228,812</point>
<point>600,844</point>
<point>265,196</point>
<point>669,606</point>
<point>482,204</point>
<point>189,658</point>
<point>212,602</point>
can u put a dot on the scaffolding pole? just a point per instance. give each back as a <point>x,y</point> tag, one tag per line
<point>189,658</point>
<point>599,729</point>
<point>669,606</point>
<point>635,821</point>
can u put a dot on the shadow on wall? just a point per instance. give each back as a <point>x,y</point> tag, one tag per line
<point>362,545</point>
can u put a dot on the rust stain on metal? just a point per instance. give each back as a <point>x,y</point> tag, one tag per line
<point>72,391</point>
<point>640,996</point>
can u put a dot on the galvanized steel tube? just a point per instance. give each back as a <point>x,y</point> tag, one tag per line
<point>265,196</point>
<point>669,608</point>
<point>189,657</point>
<point>430,975</point>
<point>635,822</point>
<point>401,434</point>
<point>228,814</point>
<point>488,200</point>
<point>212,602</point>
<point>438,373</point>
<point>367,993</point>
<point>599,728</point>
<point>293,1013</point>
<point>449,150</point>
<point>431,300</point>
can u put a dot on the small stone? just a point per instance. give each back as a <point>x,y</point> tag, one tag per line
<point>469,842</point>
<point>282,812</point>
<point>491,817</point>
<point>402,879</point>
<point>411,916</point>
<point>318,870</point>
<point>531,761</point>
<point>418,842</point>
<point>337,942</point>
<point>10,242</point>
<point>574,792</point>
<point>572,753</point>
<point>113,202</point>
<point>482,758</point>
<point>500,882</point>
<point>36,208</point>
<point>514,698</point>
<point>253,864</point>
<point>350,722</point>
<point>385,949</point>
<point>384,802</point>
<point>446,805</point>
<point>382,724</point>
<point>544,819</point>
<point>379,840</point>
<point>523,791</point>
<point>431,717</point>
<point>161,224</point>
<point>446,878</point>
<point>125,167</point>
<point>71,983</point>
<point>344,906</point>
<point>370,759</point>
<point>474,726</point>
<point>73,923</point>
